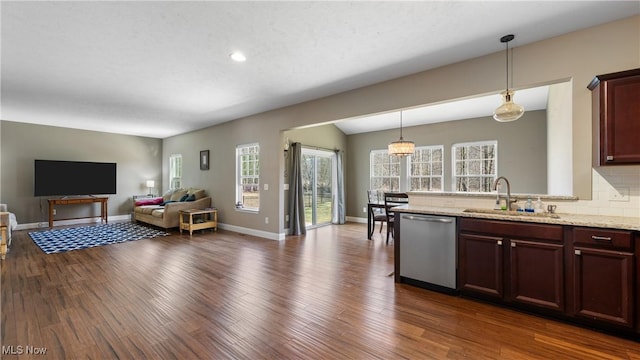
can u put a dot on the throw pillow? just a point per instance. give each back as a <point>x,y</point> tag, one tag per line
<point>199,193</point>
<point>178,194</point>
<point>184,197</point>
<point>153,201</point>
<point>166,196</point>
<point>191,197</point>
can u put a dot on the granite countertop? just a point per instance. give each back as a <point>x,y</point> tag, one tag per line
<point>611,222</point>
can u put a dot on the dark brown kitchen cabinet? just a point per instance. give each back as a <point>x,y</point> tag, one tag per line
<point>616,118</point>
<point>480,259</point>
<point>536,272</point>
<point>603,275</point>
<point>520,263</point>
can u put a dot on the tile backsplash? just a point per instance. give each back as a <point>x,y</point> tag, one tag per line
<point>616,192</point>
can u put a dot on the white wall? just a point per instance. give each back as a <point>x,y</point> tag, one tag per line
<point>559,140</point>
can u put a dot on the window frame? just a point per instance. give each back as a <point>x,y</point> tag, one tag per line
<point>175,171</point>
<point>411,161</point>
<point>372,171</point>
<point>240,177</point>
<point>454,176</point>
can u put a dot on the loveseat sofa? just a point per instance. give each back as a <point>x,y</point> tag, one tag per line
<point>164,211</point>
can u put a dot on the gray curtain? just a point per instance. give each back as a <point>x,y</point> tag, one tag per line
<point>338,193</point>
<point>296,192</point>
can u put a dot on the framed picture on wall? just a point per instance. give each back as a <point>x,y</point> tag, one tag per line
<point>204,160</point>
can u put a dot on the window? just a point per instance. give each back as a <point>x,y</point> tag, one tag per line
<point>384,171</point>
<point>248,176</point>
<point>425,168</point>
<point>175,171</point>
<point>474,166</point>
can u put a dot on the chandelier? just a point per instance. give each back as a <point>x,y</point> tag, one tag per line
<point>401,147</point>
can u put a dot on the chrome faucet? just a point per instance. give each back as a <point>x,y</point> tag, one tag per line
<point>495,187</point>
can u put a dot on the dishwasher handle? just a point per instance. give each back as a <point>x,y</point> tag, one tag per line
<point>428,219</point>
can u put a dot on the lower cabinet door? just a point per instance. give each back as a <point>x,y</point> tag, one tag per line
<point>480,265</point>
<point>537,274</point>
<point>603,285</point>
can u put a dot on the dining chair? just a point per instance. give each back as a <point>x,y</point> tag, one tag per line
<point>393,199</point>
<point>377,214</point>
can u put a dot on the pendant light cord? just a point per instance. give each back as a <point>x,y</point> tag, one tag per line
<point>507,58</point>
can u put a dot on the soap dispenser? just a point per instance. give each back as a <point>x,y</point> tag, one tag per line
<point>539,207</point>
<point>528,207</point>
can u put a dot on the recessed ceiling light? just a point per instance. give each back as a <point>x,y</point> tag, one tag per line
<point>238,56</point>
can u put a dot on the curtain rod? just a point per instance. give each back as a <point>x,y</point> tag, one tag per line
<point>318,148</point>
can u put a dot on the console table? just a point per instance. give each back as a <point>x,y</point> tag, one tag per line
<point>83,200</point>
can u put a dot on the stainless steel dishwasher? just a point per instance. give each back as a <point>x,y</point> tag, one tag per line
<point>428,251</point>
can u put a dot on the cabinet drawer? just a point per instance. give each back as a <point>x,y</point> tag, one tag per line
<point>603,238</point>
<point>512,229</point>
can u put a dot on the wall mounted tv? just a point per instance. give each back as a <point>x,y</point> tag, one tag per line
<point>54,177</point>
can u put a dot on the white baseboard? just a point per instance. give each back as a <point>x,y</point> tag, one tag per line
<point>253,232</point>
<point>356,219</point>
<point>45,224</point>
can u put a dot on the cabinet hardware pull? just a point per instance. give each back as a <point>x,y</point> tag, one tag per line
<point>499,242</point>
<point>577,252</point>
<point>513,244</point>
<point>609,158</point>
<point>601,238</point>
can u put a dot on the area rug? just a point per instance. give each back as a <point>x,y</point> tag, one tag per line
<point>61,240</point>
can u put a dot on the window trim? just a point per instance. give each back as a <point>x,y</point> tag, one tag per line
<point>371,172</point>
<point>441,176</point>
<point>172,161</point>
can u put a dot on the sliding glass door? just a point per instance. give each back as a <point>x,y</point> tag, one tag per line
<point>317,182</point>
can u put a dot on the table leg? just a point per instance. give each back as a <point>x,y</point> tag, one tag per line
<point>50,214</point>
<point>4,236</point>
<point>369,221</point>
<point>105,211</point>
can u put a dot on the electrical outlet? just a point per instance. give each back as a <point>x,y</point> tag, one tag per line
<point>266,220</point>
<point>54,211</point>
<point>364,209</point>
<point>619,194</point>
<point>286,217</point>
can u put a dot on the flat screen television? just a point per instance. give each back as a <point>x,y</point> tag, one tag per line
<point>55,177</point>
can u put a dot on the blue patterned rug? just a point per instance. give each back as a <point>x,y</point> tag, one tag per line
<point>56,241</point>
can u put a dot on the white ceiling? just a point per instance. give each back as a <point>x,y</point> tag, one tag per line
<point>162,68</point>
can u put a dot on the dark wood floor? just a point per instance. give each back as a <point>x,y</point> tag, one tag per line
<point>229,296</point>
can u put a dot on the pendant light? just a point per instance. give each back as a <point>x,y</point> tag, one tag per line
<point>401,147</point>
<point>508,111</point>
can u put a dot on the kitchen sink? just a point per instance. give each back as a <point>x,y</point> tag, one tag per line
<point>512,213</point>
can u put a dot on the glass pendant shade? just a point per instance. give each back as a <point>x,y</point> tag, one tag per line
<point>508,111</point>
<point>402,148</point>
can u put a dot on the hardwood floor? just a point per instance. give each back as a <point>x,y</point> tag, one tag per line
<point>223,295</point>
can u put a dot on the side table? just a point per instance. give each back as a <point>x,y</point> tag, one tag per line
<point>196,219</point>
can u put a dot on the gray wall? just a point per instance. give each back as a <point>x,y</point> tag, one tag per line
<point>138,158</point>
<point>522,152</point>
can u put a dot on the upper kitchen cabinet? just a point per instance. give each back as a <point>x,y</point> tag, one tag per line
<point>616,118</point>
